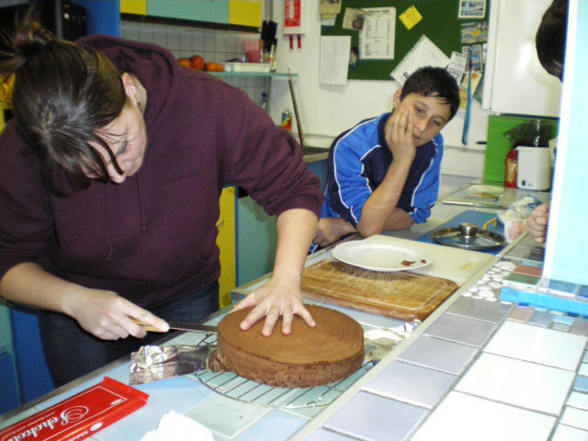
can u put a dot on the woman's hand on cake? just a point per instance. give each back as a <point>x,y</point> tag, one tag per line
<point>281,296</point>
<point>278,297</point>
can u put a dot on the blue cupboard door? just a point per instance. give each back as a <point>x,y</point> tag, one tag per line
<point>8,387</point>
<point>34,378</point>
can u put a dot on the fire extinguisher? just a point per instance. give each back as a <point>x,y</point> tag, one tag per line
<point>511,168</point>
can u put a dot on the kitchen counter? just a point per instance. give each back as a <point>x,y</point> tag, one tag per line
<point>477,368</point>
<point>314,154</point>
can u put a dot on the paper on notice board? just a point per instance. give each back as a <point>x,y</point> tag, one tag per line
<point>376,38</point>
<point>410,17</point>
<point>457,66</point>
<point>334,59</point>
<point>423,53</point>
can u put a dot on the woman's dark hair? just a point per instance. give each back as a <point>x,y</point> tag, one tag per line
<point>435,82</point>
<point>550,39</point>
<point>64,95</point>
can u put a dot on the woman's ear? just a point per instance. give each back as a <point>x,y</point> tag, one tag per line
<point>129,85</point>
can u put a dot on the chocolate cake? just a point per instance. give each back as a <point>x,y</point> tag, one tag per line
<point>329,352</point>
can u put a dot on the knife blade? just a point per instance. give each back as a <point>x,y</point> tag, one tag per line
<point>180,326</point>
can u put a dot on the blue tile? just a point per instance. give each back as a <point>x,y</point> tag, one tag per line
<point>327,435</point>
<point>374,418</point>
<point>558,287</point>
<point>583,291</point>
<point>581,384</point>
<point>564,320</point>
<point>275,426</point>
<point>560,327</point>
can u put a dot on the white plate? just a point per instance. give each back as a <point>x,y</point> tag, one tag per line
<point>381,256</point>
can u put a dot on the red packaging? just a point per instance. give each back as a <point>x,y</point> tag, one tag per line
<point>79,416</point>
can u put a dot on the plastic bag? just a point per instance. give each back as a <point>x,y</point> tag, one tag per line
<point>515,217</point>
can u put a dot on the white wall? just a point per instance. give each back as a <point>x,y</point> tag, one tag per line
<point>326,111</point>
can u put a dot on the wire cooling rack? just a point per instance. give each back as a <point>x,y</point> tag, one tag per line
<point>241,389</point>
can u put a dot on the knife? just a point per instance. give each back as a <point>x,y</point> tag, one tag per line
<point>180,326</point>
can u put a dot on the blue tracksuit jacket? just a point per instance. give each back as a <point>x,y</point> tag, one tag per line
<point>357,163</point>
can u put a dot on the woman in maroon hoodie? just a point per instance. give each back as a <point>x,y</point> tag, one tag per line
<point>110,174</point>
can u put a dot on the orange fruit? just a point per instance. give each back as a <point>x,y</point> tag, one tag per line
<point>211,67</point>
<point>220,67</point>
<point>184,61</point>
<point>197,62</point>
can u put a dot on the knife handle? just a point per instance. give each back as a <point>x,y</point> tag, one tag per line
<point>147,327</point>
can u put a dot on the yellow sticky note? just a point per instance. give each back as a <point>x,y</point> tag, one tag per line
<point>410,17</point>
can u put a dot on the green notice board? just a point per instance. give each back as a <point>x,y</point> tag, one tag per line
<point>440,23</point>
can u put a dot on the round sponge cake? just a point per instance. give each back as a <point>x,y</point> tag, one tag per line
<point>330,351</point>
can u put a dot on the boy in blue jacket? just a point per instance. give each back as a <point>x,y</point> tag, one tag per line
<point>383,174</point>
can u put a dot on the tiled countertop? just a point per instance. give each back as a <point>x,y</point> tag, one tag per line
<point>482,370</point>
<point>477,369</point>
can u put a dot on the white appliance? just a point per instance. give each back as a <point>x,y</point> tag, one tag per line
<point>515,82</point>
<point>534,168</point>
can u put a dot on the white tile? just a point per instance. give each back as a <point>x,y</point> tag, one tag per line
<point>517,382</point>
<point>578,399</point>
<point>583,369</point>
<point>374,418</point>
<point>462,417</point>
<point>575,417</point>
<point>540,345</point>
<point>566,433</point>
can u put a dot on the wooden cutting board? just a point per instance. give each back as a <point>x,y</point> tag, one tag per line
<point>401,294</point>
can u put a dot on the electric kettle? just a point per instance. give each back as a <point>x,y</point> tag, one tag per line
<point>534,168</point>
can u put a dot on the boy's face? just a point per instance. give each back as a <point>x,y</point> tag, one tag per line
<point>430,114</point>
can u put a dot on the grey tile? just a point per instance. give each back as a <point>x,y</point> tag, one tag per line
<point>461,329</point>
<point>542,318</point>
<point>374,418</point>
<point>580,327</point>
<point>412,384</point>
<point>439,354</point>
<point>521,313</point>
<point>327,435</point>
<point>489,311</point>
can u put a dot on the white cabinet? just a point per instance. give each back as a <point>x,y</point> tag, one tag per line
<point>515,82</point>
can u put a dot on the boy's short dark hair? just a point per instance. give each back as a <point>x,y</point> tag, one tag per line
<point>550,39</point>
<point>435,82</point>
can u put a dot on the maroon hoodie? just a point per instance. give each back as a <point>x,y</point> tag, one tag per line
<point>152,238</point>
